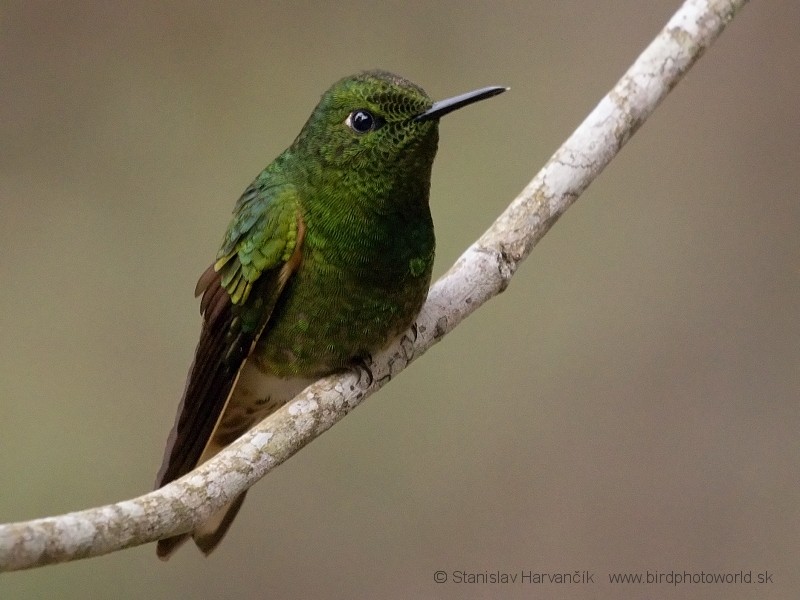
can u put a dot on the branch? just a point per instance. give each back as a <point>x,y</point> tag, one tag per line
<point>481,273</point>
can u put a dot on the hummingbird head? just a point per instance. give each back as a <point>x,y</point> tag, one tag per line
<point>379,125</point>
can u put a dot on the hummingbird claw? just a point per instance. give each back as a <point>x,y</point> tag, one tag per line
<point>362,365</point>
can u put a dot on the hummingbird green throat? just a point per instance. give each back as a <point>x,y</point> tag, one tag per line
<point>328,257</point>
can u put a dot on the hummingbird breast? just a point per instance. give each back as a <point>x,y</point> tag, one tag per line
<point>363,278</point>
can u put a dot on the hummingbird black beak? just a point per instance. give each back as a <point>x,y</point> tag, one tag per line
<point>441,108</point>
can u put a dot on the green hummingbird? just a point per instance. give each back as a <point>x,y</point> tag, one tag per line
<point>328,257</point>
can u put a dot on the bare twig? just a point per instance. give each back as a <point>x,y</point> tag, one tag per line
<point>482,272</point>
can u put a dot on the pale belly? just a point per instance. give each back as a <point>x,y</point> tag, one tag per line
<point>255,397</point>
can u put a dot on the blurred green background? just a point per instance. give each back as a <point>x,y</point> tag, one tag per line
<point>630,403</point>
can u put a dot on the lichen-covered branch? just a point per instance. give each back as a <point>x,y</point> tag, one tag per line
<point>482,272</point>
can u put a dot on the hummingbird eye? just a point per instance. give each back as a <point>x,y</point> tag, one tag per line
<point>363,121</point>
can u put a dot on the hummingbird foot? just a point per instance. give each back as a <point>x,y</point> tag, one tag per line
<point>363,366</point>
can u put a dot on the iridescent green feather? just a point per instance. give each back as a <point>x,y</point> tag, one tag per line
<point>261,237</point>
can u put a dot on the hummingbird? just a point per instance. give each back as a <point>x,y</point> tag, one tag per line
<point>327,258</point>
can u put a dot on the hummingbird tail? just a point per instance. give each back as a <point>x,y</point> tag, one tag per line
<point>207,535</point>
<point>210,533</point>
<point>166,547</point>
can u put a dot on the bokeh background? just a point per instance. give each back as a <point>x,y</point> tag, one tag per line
<point>629,404</point>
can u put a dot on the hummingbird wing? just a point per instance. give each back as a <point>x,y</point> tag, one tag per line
<point>260,252</point>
